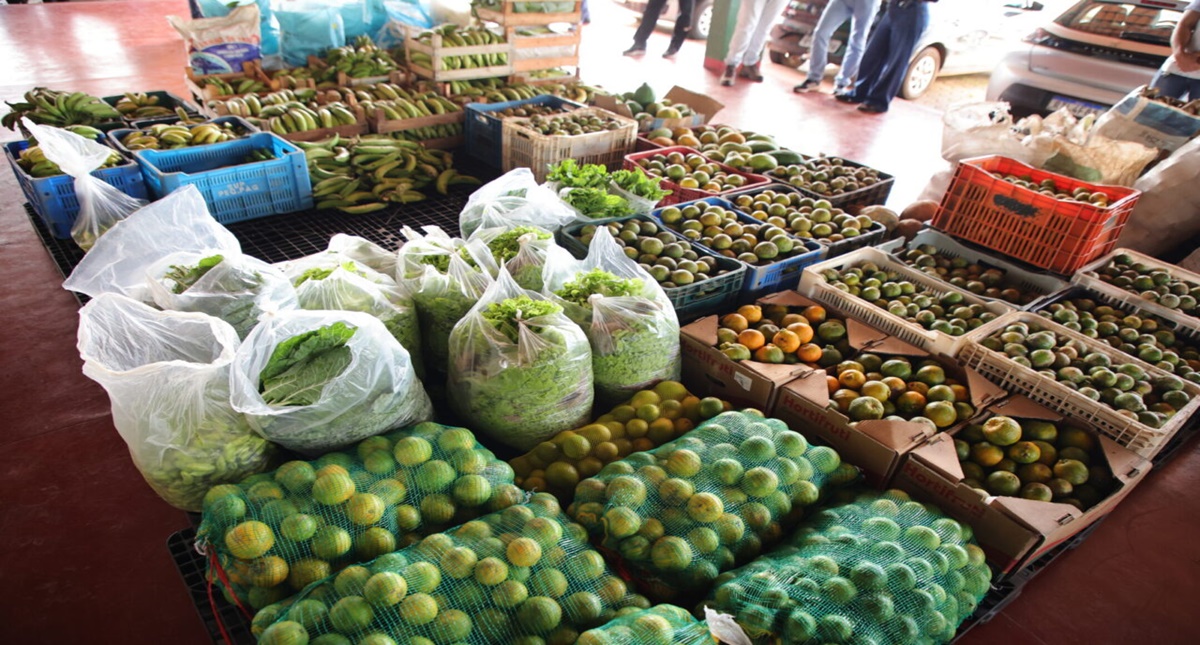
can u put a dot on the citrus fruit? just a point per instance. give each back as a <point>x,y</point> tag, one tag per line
<point>864,408</point>
<point>539,614</point>
<point>705,507</point>
<point>249,540</point>
<point>412,451</point>
<point>333,488</point>
<point>284,632</point>
<point>671,554</point>
<point>1002,431</point>
<point>1072,471</point>
<point>308,612</point>
<point>1002,482</point>
<point>307,571</point>
<point>418,609</point>
<point>298,527</point>
<point>351,614</point>
<point>1037,491</point>
<point>1024,452</point>
<point>385,589</point>
<point>364,509</point>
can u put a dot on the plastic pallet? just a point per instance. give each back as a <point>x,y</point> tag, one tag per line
<point>215,614</point>
<point>485,133</point>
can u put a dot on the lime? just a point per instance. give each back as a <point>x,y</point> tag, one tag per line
<point>412,451</point>
<point>365,509</point>
<point>706,507</point>
<point>422,577</point>
<point>539,615</point>
<point>307,571</point>
<point>299,527</point>
<point>523,552</point>
<point>385,589</point>
<point>249,540</point>
<point>333,488</point>
<point>548,582</point>
<point>418,609</point>
<point>350,581</point>
<point>284,633</point>
<point>671,554</point>
<point>351,614</point>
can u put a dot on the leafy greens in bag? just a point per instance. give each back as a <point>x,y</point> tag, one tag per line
<point>302,365</point>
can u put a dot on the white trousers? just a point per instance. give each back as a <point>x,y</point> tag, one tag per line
<point>754,20</point>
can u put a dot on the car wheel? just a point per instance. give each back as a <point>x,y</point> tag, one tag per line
<point>921,73</point>
<point>701,20</point>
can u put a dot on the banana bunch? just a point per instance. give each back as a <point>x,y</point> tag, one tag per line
<point>139,105</point>
<point>297,117</point>
<point>360,60</point>
<point>53,107</point>
<point>511,93</point>
<point>577,92</point>
<point>251,105</point>
<point>33,161</point>
<point>235,88</point>
<point>168,137</point>
<point>360,93</point>
<point>414,107</point>
<point>259,154</point>
<point>366,174</point>
<point>294,78</point>
<point>454,36</point>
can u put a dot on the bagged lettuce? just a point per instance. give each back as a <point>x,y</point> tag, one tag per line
<point>515,199</point>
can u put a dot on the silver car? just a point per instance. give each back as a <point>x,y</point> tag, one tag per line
<point>1088,58</point>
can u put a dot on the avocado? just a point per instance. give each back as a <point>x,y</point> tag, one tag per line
<point>762,162</point>
<point>786,157</point>
<point>758,145</point>
<point>644,94</point>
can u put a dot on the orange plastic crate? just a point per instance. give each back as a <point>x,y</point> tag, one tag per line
<point>1046,232</point>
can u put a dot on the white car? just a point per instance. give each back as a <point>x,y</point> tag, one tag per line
<point>1088,58</point>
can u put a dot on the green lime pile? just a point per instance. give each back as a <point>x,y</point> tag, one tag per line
<point>883,569</point>
<point>1144,336</point>
<point>980,280</point>
<point>275,533</point>
<point>679,515</point>
<point>892,387</point>
<point>523,575</point>
<point>1153,283</point>
<point>1035,460</point>
<point>658,625</point>
<point>945,310</point>
<point>720,229</point>
<point>671,261</point>
<point>804,216</point>
<point>1148,397</point>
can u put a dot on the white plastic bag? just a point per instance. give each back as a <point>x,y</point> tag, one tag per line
<point>364,251</point>
<point>1148,122</point>
<point>375,391</point>
<point>525,381</point>
<point>118,262</point>
<point>222,45</point>
<point>516,198</point>
<point>330,281</point>
<point>522,249</point>
<point>634,337</point>
<point>167,376</point>
<point>1168,212</point>
<point>236,288</point>
<point>101,206</point>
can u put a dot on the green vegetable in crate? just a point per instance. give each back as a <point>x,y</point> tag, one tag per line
<point>33,161</point>
<point>568,173</point>
<point>522,575</point>
<point>520,370</point>
<point>691,171</point>
<point>571,124</point>
<point>361,59</point>
<point>53,107</point>
<point>596,203</point>
<point>719,228</point>
<point>671,261</point>
<point>1050,188</point>
<point>827,176</point>
<point>659,625</point>
<point>140,105</point>
<point>647,420</point>
<point>877,387</point>
<point>453,35</point>
<point>804,216</point>
<point>636,183</point>
<point>1034,459</point>
<point>233,287</point>
<point>1153,283</point>
<point>273,534</point>
<point>684,512</point>
<point>978,279</point>
<point>944,311</point>
<point>167,375</point>
<point>1141,335</point>
<point>167,137</point>
<point>1146,396</point>
<point>883,569</point>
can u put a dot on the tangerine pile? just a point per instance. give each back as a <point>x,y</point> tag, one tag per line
<point>782,334</point>
<point>872,387</point>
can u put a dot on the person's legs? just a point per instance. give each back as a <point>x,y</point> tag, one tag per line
<point>683,25</point>
<point>649,20</point>
<point>863,13</point>
<point>747,18</point>
<point>769,10</point>
<point>1193,89</point>
<point>836,12</point>
<point>873,61</point>
<point>1171,85</point>
<point>907,26</point>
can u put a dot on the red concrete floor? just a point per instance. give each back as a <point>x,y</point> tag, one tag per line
<point>83,557</point>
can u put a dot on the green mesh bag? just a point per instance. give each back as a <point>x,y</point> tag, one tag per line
<point>274,533</point>
<point>523,576</point>
<point>660,625</point>
<point>679,515</point>
<point>883,569</point>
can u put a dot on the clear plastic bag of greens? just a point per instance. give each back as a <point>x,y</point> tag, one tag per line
<point>330,281</point>
<point>445,278</point>
<point>516,199</point>
<point>167,376</point>
<point>520,370</point>
<point>882,569</point>
<point>524,575</point>
<point>313,381</point>
<point>236,288</point>
<point>522,249</point>
<point>679,515</point>
<point>628,319</point>
<point>101,206</point>
<point>118,262</point>
<point>664,625</point>
<point>365,251</point>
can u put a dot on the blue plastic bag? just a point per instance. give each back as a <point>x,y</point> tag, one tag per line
<point>309,31</point>
<point>398,14</point>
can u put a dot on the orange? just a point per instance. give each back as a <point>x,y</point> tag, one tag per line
<point>792,319</point>
<point>736,322</point>
<point>896,385</point>
<point>843,399</point>
<point>801,329</point>
<point>815,314</point>
<point>786,340</point>
<point>918,387</point>
<point>752,313</point>
<point>752,339</point>
<point>910,403</point>
<point>960,393</point>
<point>809,353</point>
<point>852,379</point>
<point>768,354</point>
<point>833,383</point>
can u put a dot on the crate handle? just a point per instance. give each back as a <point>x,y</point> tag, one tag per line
<point>1015,206</point>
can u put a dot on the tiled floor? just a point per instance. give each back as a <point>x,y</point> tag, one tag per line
<point>82,539</point>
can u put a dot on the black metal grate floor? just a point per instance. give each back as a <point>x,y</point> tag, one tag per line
<point>218,613</point>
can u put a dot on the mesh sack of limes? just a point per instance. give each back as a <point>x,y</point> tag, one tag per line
<point>679,515</point>
<point>880,569</point>
<point>664,625</point>
<point>525,575</point>
<point>274,533</point>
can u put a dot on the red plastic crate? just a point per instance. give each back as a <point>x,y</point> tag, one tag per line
<point>679,194</point>
<point>1048,233</point>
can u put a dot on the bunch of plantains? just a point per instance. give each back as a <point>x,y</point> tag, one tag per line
<point>455,36</point>
<point>56,108</point>
<point>167,137</point>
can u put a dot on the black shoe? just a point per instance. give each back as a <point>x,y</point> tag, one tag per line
<point>727,77</point>
<point>671,51</point>
<point>807,86</point>
<point>847,98</point>
<point>872,109</point>
<point>636,49</point>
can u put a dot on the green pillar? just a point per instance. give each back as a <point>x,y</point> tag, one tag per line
<point>724,20</point>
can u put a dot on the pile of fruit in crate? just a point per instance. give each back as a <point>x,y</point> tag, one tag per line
<point>827,176</point>
<point>804,216</point>
<point>454,36</point>
<point>745,151</point>
<point>671,261</point>
<point>166,137</point>
<point>781,334</point>
<point>1050,188</point>
<point>1154,284</point>
<point>691,171</point>
<point>872,387</point>
<point>964,274</point>
<point>52,107</point>
<point>570,124</point>
<point>361,59</point>
<point>238,87</point>
<point>721,230</point>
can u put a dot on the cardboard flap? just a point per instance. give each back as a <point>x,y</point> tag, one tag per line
<point>983,392</point>
<point>787,298</point>
<point>612,104</point>
<point>811,385</point>
<point>1043,517</point>
<point>899,435</point>
<point>874,341</point>
<point>703,330</point>
<point>940,456</point>
<point>702,104</point>
<point>1123,462</point>
<point>1022,407</point>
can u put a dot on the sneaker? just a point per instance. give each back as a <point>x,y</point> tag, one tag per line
<point>847,98</point>
<point>871,108</point>
<point>807,86</point>
<point>751,72</point>
<point>727,77</point>
<point>671,51</point>
<point>635,50</point>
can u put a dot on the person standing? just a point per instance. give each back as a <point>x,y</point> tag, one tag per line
<point>750,33</point>
<point>1179,76</point>
<point>860,13</point>
<point>885,62</point>
<point>683,24</point>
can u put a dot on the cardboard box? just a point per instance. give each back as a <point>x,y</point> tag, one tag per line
<point>705,109</point>
<point>708,372</point>
<point>877,447</point>
<point>1012,531</point>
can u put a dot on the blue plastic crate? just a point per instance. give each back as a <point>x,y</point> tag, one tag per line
<point>53,198</point>
<point>483,132</point>
<point>773,277</point>
<point>234,190</point>
<point>165,99</point>
<point>115,136</point>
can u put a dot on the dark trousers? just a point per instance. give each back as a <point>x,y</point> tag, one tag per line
<point>683,21</point>
<point>886,59</point>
